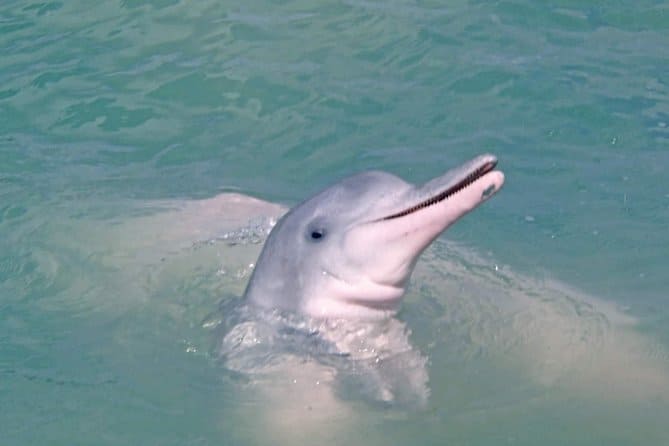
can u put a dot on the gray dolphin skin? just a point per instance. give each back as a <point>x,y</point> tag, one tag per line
<point>348,251</point>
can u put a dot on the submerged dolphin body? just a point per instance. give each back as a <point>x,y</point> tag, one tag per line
<point>348,251</point>
<point>497,341</point>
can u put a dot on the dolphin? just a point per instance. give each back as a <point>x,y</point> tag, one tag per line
<point>348,251</point>
<point>546,345</point>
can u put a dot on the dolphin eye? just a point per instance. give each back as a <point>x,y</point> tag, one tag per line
<point>316,230</point>
<point>316,234</point>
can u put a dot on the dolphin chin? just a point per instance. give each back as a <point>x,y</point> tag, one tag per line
<point>349,250</point>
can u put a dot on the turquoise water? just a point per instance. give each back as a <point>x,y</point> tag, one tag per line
<point>108,109</point>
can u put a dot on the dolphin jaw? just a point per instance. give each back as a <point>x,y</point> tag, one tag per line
<point>394,243</point>
<point>449,197</point>
<point>416,229</point>
<point>476,170</point>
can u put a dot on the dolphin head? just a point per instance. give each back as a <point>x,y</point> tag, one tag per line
<point>349,250</point>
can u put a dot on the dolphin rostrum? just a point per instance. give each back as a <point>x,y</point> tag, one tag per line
<point>349,250</point>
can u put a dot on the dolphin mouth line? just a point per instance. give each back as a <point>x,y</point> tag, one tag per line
<point>457,187</point>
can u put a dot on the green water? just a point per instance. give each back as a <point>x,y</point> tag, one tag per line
<point>106,107</point>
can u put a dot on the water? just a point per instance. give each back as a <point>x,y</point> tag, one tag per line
<point>111,112</point>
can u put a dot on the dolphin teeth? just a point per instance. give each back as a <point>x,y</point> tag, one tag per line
<point>460,185</point>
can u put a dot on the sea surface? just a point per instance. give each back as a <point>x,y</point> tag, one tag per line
<point>112,111</point>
